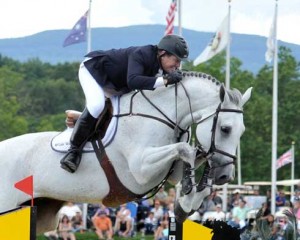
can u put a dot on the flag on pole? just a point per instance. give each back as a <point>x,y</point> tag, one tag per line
<point>269,55</point>
<point>284,159</point>
<point>217,43</point>
<point>25,185</point>
<point>170,18</point>
<point>78,32</point>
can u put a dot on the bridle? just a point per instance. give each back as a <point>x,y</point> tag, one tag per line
<point>201,153</point>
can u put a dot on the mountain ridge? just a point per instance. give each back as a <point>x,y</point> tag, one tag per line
<point>47,45</point>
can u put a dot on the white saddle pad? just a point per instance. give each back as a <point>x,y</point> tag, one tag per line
<point>61,142</point>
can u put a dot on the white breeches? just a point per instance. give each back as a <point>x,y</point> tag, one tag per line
<point>94,94</point>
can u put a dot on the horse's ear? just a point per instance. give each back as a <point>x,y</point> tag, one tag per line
<point>223,94</point>
<point>246,96</point>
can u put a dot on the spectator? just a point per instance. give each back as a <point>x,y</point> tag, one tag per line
<point>265,210</point>
<point>239,215</point>
<point>157,210</point>
<point>77,222</point>
<point>296,195</point>
<point>275,232</point>
<point>207,205</point>
<point>170,210</point>
<point>171,195</point>
<point>70,210</point>
<point>150,224</point>
<point>101,207</point>
<point>215,197</point>
<point>280,200</point>
<point>235,198</point>
<point>123,226</point>
<point>142,213</point>
<point>218,215</point>
<point>267,227</point>
<point>103,225</point>
<point>287,229</point>
<point>296,211</point>
<point>65,229</point>
<point>123,210</point>
<point>162,232</point>
<point>162,197</point>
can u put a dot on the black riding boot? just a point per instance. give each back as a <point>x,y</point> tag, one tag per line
<point>83,128</point>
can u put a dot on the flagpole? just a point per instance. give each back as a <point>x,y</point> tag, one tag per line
<point>179,18</point>
<point>274,115</point>
<point>89,47</point>
<point>227,81</point>
<point>293,168</point>
<point>89,32</point>
<point>227,84</point>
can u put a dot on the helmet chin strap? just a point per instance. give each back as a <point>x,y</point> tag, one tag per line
<point>159,56</point>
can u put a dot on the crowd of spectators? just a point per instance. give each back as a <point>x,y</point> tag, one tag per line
<point>151,216</point>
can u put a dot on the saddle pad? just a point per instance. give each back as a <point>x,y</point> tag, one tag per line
<point>61,142</point>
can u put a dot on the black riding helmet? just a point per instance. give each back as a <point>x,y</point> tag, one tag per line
<point>174,44</point>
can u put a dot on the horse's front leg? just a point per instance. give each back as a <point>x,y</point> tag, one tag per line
<point>157,160</point>
<point>204,187</point>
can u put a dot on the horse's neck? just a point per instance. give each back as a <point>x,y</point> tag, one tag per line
<point>204,99</point>
<point>196,94</point>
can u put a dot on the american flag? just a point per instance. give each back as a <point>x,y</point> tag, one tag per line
<point>284,159</point>
<point>170,18</point>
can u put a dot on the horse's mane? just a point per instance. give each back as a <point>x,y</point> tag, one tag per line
<point>201,75</point>
<point>235,95</point>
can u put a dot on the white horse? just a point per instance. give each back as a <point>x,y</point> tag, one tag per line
<point>142,152</point>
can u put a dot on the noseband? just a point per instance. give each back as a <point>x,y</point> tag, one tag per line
<point>213,149</point>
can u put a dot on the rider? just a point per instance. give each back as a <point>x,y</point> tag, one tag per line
<point>117,71</point>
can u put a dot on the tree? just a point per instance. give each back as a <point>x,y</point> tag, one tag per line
<point>11,124</point>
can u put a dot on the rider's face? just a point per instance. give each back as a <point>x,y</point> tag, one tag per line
<point>169,63</point>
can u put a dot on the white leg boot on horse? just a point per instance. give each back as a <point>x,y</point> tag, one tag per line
<point>84,127</point>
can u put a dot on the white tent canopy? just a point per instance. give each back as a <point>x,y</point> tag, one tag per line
<point>279,183</point>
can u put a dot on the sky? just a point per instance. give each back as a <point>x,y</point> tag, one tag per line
<point>21,18</point>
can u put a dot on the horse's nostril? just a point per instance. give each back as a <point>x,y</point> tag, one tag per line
<point>223,177</point>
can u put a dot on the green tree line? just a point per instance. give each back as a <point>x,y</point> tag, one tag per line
<point>34,96</point>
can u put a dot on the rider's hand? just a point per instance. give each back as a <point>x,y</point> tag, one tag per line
<point>173,77</point>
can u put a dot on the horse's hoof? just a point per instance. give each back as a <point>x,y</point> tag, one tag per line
<point>191,212</point>
<point>180,214</point>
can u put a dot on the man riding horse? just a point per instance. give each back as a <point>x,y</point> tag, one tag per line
<point>117,71</point>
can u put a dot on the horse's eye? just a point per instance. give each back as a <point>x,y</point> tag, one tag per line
<point>226,129</point>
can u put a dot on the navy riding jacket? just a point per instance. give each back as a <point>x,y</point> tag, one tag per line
<point>125,69</point>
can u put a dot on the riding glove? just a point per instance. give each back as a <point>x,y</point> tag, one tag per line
<point>173,77</point>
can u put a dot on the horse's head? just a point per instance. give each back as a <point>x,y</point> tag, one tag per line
<point>226,123</point>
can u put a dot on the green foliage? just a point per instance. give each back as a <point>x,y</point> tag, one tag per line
<point>34,96</point>
<point>10,122</point>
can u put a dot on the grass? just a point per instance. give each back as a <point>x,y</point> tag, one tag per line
<point>93,236</point>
